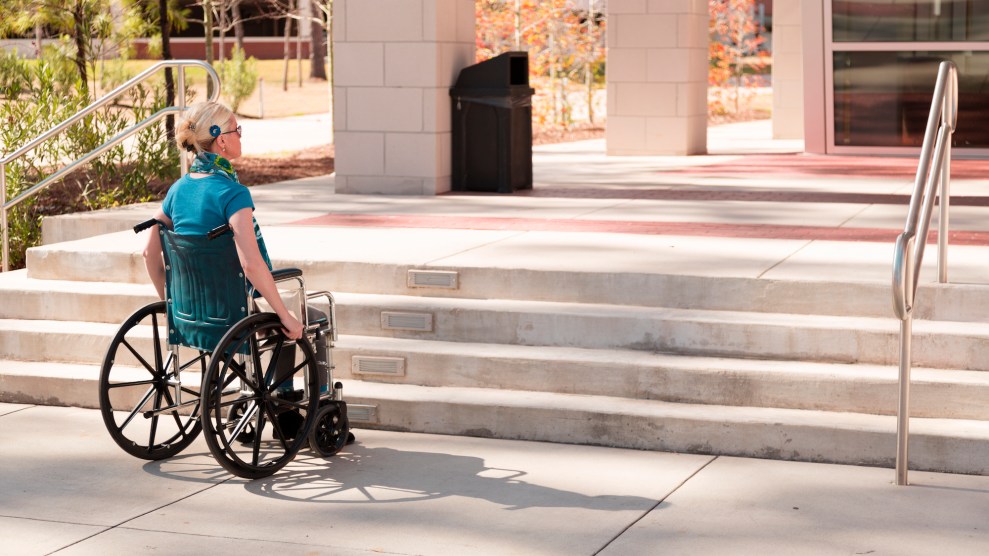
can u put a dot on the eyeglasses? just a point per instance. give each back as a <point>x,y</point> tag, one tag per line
<point>239,131</point>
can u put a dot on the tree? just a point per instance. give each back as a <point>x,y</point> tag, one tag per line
<point>736,38</point>
<point>562,41</point>
<point>86,25</point>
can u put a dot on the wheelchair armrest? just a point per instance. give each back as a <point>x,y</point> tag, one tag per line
<point>285,274</point>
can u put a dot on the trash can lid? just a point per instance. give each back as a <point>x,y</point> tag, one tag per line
<point>510,69</point>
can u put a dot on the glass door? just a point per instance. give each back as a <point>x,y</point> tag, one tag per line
<point>884,59</point>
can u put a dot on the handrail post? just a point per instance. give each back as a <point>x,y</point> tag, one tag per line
<point>903,406</point>
<point>3,214</point>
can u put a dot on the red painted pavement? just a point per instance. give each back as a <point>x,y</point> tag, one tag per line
<point>763,231</point>
<point>845,167</point>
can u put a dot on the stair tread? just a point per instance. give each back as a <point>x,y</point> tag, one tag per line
<point>369,391</point>
<point>362,390</point>
<point>839,371</point>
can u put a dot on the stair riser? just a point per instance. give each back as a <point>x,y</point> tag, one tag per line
<point>721,340</point>
<point>647,333</point>
<point>710,386</point>
<point>108,307</point>
<point>634,381</point>
<point>84,348</point>
<point>744,439</point>
<point>941,302</point>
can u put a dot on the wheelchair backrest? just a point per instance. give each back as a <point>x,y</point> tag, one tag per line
<point>205,288</point>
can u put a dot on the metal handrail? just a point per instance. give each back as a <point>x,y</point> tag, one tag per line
<point>113,141</point>
<point>933,175</point>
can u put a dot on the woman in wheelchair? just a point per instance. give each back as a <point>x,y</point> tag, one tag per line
<point>264,390</point>
<point>210,196</point>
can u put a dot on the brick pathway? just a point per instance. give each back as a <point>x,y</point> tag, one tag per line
<point>764,231</point>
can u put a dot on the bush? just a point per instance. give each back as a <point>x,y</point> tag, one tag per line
<point>238,78</point>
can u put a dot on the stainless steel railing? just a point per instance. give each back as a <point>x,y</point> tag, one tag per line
<point>113,141</point>
<point>932,181</point>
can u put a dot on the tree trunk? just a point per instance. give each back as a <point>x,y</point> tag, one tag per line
<point>208,29</point>
<point>288,45</point>
<point>298,45</point>
<point>222,54</point>
<point>317,51</point>
<point>238,24</point>
<point>81,34</point>
<point>39,35</point>
<point>166,54</point>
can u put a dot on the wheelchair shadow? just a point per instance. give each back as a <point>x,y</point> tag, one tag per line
<point>362,475</point>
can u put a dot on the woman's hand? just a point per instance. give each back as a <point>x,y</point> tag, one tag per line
<point>291,327</point>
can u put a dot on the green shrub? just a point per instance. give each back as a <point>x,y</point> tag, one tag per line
<point>238,78</point>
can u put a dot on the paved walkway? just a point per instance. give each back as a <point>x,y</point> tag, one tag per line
<point>65,488</point>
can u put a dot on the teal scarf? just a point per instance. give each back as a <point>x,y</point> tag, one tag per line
<point>212,163</point>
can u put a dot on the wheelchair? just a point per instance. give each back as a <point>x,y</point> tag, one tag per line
<point>209,359</point>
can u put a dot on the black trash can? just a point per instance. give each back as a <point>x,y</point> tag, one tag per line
<point>492,125</point>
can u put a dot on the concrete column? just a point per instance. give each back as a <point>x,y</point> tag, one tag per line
<point>815,61</point>
<point>657,77</point>
<point>788,71</point>
<point>394,63</point>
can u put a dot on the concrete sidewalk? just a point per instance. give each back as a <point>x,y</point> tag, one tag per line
<point>68,489</point>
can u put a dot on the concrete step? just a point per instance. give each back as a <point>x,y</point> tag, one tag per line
<point>38,346</point>
<point>938,344</point>
<point>858,388</point>
<point>382,269</point>
<point>957,446</point>
<point>105,302</point>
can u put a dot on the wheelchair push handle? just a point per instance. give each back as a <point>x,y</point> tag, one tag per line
<point>218,231</point>
<point>145,225</point>
<point>212,234</point>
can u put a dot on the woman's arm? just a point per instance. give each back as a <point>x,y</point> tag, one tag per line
<point>152,255</point>
<point>242,223</point>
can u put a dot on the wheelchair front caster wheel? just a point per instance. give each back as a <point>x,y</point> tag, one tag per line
<point>330,433</point>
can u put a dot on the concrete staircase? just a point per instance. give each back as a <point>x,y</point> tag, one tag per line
<point>731,365</point>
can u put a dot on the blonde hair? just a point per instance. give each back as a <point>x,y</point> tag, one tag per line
<point>192,132</point>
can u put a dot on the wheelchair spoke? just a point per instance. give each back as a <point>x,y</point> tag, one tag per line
<point>134,352</point>
<point>137,408</point>
<point>239,371</point>
<point>259,426</point>
<point>174,414</point>
<point>244,420</point>
<point>276,426</point>
<point>157,341</point>
<point>128,384</point>
<point>202,355</point>
<point>272,370</point>
<point>154,421</point>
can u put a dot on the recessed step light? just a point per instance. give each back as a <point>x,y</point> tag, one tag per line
<point>374,365</point>
<point>447,279</point>
<point>418,322</point>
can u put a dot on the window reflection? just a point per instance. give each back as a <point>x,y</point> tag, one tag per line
<point>883,98</point>
<point>910,20</point>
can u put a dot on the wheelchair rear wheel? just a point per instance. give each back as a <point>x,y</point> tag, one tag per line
<point>256,415</point>
<point>147,410</point>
